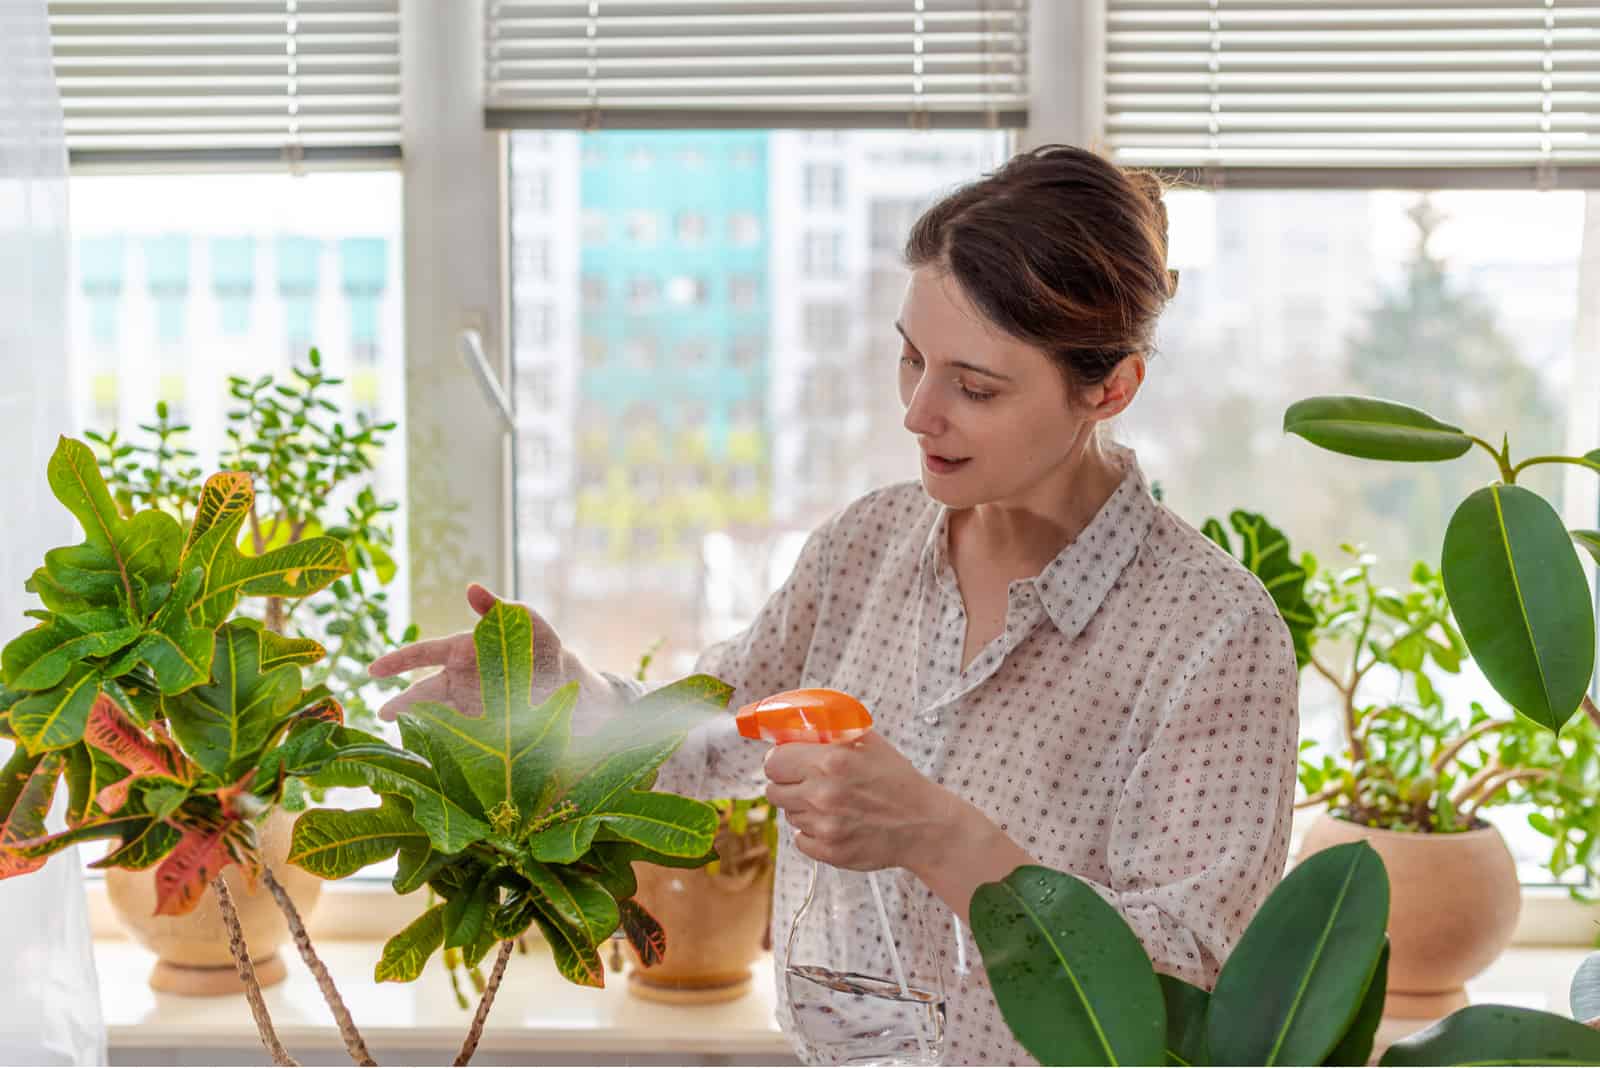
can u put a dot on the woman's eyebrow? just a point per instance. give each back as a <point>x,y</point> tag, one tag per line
<point>953,363</point>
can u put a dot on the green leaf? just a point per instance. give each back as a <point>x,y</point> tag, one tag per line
<point>1070,977</point>
<point>143,844</point>
<point>577,958</point>
<point>1293,985</point>
<point>386,771</point>
<point>277,650</point>
<point>1374,429</point>
<point>1186,1020</point>
<point>405,955</point>
<point>1214,530</point>
<point>178,651</point>
<point>127,828</point>
<point>666,823</point>
<point>295,570</point>
<point>1355,1048</point>
<point>1264,549</point>
<point>119,561</point>
<point>1498,1034</point>
<point>1521,601</point>
<point>55,718</point>
<point>416,865</point>
<point>88,772</point>
<point>466,912</point>
<point>40,658</point>
<point>1589,539</point>
<point>575,899</point>
<point>333,843</point>
<point>224,724</point>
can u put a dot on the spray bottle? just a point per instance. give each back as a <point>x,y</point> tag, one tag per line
<point>846,1006</point>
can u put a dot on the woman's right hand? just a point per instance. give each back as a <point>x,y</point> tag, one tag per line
<point>457,685</point>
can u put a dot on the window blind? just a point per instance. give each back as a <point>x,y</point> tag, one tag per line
<point>1490,91</point>
<point>756,63</point>
<point>228,80</point>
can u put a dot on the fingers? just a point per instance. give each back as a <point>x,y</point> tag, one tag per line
<point>435,652</point>
<point>431,689</point>
<point>790,798</point>
<point>480,599</point>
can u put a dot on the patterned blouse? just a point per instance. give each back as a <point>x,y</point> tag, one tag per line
<point>1134,724</point>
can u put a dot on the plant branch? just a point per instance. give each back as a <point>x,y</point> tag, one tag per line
<point>1576,460</point>
<point>1487,772</point>
<point>247,975</point>
<point>1317,798</point>
<point>1507,472</point>
<point>470,1046</point>
<point>1448,753</point>
<point>347,1026</point>
<point>1590,710</point>
<point>1503,780</point>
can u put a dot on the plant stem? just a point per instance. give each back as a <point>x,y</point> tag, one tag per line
<point>1507,472</point>
<point>1316,799</point>
<point>1578,460</point>
<point>1590,710</point>
<point>1487,772</point>
<point>347,1026</point>
<point>1448,753</point>
<point>1501,781</point>
<point>247,975</point>
<point>470,1046</point>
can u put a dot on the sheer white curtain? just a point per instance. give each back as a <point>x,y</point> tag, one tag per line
<point>50,1012</point>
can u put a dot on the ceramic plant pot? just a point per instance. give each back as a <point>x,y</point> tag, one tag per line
<point>192,949</point>
<point>1453,906</point>
<point>715,923</point>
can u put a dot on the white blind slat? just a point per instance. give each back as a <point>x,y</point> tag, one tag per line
<point>194,79</point>
<point>652,63</point>
<point>1353,83</point>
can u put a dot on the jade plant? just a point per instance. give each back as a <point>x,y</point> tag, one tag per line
<point>1510,566</point>
<point>313,469</point>
<point>514,821</point>
<point>174,721</point>
<point>1305,985</point>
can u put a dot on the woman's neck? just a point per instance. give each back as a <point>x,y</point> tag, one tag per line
<point>1030,530</point>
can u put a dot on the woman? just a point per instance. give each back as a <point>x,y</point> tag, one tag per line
<point>1062,672</point>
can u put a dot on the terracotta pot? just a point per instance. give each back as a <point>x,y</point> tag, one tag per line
<point>192,949</point>
<point>1453,906</point>
<point>715,924</point>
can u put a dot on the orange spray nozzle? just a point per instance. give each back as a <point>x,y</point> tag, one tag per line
<point>810,715</point>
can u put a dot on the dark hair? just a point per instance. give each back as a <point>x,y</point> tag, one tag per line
<point>1060,249</point>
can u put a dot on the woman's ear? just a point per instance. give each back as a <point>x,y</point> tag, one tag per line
<point>1114,395</point>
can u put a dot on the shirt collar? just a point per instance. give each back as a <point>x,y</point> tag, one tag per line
<point>1074,585</point>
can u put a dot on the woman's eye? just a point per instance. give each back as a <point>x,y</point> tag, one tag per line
<point>977,395</point>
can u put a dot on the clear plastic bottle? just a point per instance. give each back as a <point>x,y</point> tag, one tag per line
<point>862,974</point>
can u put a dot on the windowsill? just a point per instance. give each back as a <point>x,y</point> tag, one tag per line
<point>537,1016</point>
<point>540,1016</point>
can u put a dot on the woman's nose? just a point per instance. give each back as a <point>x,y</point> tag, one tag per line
<point>922,415</point>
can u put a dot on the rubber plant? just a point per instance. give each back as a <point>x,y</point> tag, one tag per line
<point>175,723</point>
<point>1510,566</point>
<point>513,821</point>
<point>1305,985</point>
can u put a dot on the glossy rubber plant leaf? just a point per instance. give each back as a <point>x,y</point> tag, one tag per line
<point>1590,540</point>
<point>1521,601</point>
<point>181,879</point>
<point>333,843</point>
<point>405,955</point>
<point>27,786</point>
<point>1374,429</point>
<point>1498,1034</point>
<point>1294,984</point>
<point>508,754</point>
<point>225,723</point>
<point>121,561</point>
<point>1355,1048</point>
<point>1070,977</point>
<point>1186,1020</point>
<point>295,570</point>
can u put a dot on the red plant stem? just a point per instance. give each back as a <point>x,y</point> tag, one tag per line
<point>470,1046</point>
<point>247,975</point>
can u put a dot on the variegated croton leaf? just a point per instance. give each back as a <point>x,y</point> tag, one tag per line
<point>511,820</point>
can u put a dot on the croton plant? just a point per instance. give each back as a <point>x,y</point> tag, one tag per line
<point>177,726</point>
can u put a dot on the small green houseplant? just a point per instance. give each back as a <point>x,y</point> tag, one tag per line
<point>313,470</point>
<point>1510,566</point>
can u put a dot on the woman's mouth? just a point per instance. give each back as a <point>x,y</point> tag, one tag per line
<point>942,465</point>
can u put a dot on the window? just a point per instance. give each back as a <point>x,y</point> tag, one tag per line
<point>680,431</point>
<point>641,227</point>
<point>1462,303</point>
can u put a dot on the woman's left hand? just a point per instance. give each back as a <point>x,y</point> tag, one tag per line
<point>859,805</point>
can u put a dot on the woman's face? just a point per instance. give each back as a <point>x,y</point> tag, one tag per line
<point>995,406</point>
